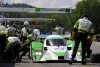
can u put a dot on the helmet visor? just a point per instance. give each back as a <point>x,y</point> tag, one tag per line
<point>25,25</point>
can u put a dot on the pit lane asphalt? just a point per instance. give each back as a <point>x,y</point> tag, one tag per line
<point>26,62</point>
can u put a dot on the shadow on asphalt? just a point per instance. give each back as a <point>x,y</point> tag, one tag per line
<point>55,61</point>
<point>15,62</point>
<point>23,62</point>
<point>26,59</point>
<point>7,64</point>
<point>11,64</point>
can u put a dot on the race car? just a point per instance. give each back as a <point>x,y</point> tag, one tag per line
<point>54,47</point>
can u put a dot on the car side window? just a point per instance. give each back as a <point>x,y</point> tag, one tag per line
<point>47,43</point>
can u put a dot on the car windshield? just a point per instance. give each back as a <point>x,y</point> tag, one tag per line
<point>57,42</point>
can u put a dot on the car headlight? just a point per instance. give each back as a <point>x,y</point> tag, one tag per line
<point>39,53</point>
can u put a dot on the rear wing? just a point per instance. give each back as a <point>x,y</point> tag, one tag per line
<point>42,36</point>
<point>67,35</point>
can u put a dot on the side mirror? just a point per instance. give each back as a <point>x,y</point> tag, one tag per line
<point>68,48</point>
<point>45,48</point>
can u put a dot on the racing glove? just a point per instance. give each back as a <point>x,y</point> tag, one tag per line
<point>90,39</point>
<point>73,35</point>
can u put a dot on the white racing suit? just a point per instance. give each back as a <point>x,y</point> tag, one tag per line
<point>59,30</point>
<point>24,34</point>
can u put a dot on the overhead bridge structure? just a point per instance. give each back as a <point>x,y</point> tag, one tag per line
<point>35,10</point>
<point>28,19</point>
<point>12,9</point>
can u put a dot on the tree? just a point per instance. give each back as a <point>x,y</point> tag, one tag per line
<point>90,7</point>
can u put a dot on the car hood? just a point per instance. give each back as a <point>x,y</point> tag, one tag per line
<point>59,51</point>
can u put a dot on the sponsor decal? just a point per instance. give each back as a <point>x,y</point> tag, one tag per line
<point>55,48</point>
<point>47,58</point>
<point>61,10</point>
<point>59,48</point>
<point>46,53</point>
<point>62,48</point>
<point>53,10</point>
<point>46,9</point>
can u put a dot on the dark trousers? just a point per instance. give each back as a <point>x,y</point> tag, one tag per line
<point>16,49</point>
<point>13,52</point>
<point>27,49</point>
<point>9,54</point>
<point>80,37</point>
<point>88,50</point>
<point>2,43</point>
<point>23,39</point>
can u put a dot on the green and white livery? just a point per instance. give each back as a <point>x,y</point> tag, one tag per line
<point>54,47</point>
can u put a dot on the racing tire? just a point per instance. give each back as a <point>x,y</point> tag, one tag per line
<point>95,58</point>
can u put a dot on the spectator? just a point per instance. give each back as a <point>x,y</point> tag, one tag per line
<point>59,29</point>
<point>97,38</point>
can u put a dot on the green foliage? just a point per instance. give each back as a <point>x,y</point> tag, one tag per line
<point>17,5</point>
<point>90,7</point>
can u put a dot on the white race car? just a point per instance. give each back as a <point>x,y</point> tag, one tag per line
<point>53,48</point>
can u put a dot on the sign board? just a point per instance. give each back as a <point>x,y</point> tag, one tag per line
<point>52,10</point>
<point>36,10</point>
